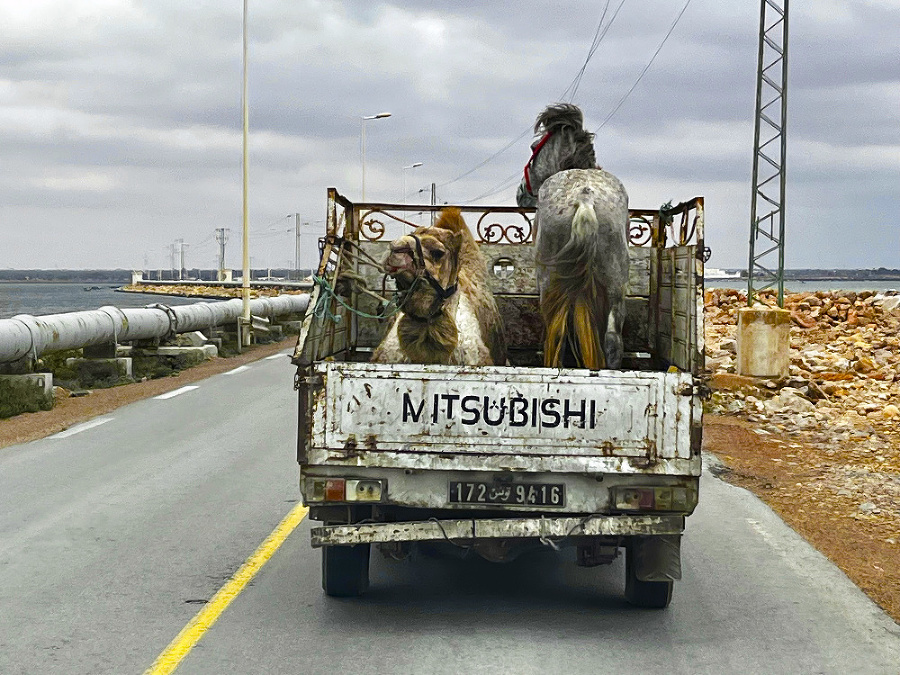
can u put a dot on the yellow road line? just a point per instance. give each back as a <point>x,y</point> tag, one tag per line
<point>190,635</point>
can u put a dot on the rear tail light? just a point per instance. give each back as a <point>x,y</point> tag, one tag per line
<point>364,490</point>
<point>654,498</point>
<point>344,490</point>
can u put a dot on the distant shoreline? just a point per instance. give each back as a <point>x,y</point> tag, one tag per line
<point>743,280</point>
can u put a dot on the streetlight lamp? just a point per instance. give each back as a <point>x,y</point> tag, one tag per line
<point>362,144</point>
<point>403,172</point>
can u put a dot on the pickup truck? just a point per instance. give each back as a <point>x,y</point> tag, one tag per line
<point>500,460</point>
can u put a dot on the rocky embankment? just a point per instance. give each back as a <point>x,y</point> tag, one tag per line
<point>201,292</point>
<point>841,399</point>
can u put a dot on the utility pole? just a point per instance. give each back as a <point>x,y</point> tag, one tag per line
<point>763,332</point>
<point>766,268</point>
<point>297,244</point>
<point>433,200</point>
<point>221,238</point>
<point>181,270</point>
<point>178,259</point>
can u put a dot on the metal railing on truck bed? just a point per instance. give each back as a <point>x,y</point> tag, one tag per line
<point>663,324</point>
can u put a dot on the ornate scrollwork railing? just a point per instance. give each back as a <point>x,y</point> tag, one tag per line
<point>640,230</point>
<point>678,225</point>
<point>372,225</point>
<point>497,233</point>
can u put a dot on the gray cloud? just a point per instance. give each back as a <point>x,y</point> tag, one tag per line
<point>120,122</point>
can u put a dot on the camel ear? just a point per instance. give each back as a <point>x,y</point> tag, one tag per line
<point>456,242</point>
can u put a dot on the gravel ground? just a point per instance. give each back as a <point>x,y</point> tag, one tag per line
<point>822,446</point>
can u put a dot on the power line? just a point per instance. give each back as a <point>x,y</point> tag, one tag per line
<point>646,68</point>
<point>599,34</point>
<point>595,43</point>
<point>496,154</point>
<point>506,182</point>
<point>598,38</point>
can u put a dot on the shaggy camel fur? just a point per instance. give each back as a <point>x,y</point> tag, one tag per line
<point>448,315</point>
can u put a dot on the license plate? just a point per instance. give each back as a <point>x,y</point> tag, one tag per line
<point>520,494</point>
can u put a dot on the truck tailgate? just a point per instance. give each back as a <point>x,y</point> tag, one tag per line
<point>364,408</point>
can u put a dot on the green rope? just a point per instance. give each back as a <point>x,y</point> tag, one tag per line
<point>665,218</point>
<point>326,293</point>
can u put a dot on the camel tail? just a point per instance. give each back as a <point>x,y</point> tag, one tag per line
<point>573,304</point>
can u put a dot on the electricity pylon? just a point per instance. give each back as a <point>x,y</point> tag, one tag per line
<point>766,268</point>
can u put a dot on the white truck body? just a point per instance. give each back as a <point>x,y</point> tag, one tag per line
<point>499,459</point>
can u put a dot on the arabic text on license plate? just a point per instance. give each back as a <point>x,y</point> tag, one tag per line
<point>526,494</point>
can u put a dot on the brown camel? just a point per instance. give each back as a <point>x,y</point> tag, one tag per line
<point>448,314</point>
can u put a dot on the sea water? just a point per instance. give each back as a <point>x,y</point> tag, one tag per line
<point>39,298</point>
<point>815,285</point>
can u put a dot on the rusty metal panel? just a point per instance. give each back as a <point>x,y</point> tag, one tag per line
<point>471,460</point>
<point>639,271</point>
<point>507,528</point>
<point>430,489</point>
<point>501,410</point>
<point>677,328</point>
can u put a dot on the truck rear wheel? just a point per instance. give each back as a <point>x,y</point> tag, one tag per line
<point>648,594</point>
<point>345,570</point>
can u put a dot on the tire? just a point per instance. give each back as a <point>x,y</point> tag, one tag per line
<point>345,570</point>
<point>646,594</point>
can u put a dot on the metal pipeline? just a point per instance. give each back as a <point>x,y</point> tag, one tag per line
<point>25,336</point>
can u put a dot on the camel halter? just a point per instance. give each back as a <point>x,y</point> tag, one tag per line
<point>534,154</point>
<point>441,294</point>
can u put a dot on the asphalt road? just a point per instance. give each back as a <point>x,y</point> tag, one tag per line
<point>113,536</point>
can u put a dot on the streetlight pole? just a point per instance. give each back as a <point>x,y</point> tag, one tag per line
<point>297,244</point>
<point>244,338</point>
<point>403,172</point>
<point>362,144</point>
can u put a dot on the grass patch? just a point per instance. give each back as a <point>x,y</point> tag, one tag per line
<point>18,395</point>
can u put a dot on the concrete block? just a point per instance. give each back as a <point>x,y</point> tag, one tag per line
<point>180,351</point>
<point>763,341</point>
<point>195,338</point>
<point>215,342</point>
<point>211,351</point>
<point>101,372</point>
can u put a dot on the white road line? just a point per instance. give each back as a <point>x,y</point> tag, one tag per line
<point>239,369</point>
<point>176,392</point>
<point>280,355</point>
<point>78,428</point>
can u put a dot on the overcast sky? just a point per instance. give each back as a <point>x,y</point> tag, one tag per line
<point>120,120</point>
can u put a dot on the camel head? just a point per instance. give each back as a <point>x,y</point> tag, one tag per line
<point>425,267</point>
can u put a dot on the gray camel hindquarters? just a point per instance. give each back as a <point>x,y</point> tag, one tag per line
<point>582,254</point>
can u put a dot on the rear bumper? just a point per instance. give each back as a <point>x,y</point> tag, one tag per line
<point>461,531</point>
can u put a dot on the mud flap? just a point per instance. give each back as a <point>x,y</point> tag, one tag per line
<point>657,558</point>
